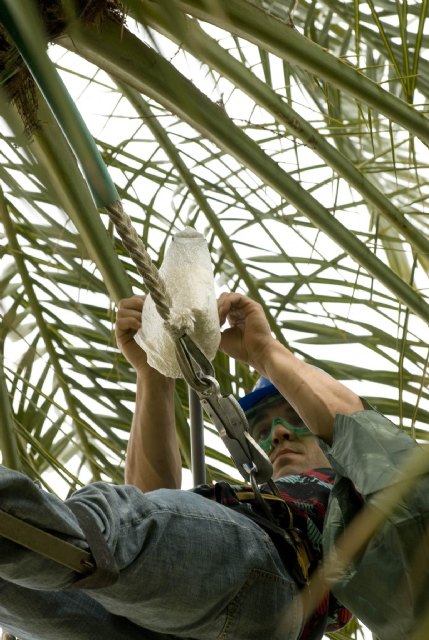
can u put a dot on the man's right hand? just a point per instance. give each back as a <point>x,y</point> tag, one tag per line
<point>249,336</point>
<point>128,322</point>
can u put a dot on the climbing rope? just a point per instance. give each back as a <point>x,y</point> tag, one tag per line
<point>135,247</point>
<point>150,274</point>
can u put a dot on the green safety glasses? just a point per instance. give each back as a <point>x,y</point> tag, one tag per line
<point>265,437</point>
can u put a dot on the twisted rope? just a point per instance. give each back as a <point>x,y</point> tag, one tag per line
<point>135,247</point>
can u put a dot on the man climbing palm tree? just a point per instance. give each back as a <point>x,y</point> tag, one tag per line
<point>189,567</point>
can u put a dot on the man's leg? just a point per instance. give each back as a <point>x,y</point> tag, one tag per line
<point>188,567</point>
<point>61,615</point>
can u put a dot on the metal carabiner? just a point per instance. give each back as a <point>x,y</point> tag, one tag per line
<point>232,426</point>
<point>224,411</point>
<point>193,363</point>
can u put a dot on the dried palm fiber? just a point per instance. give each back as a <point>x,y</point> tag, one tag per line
<point>15,77</point>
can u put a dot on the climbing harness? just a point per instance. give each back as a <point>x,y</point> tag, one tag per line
<point>296,555</point>
<point>290,544</point>
<point>106,570</point>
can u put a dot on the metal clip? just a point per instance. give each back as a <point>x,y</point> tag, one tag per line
<point>224,411</point>
<point>193,363</point>
<point>231,423</point>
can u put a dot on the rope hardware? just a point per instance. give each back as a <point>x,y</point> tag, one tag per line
<point>225,413</point>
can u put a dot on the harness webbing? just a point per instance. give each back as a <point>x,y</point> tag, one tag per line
<point>45,544</point>
<point>106,570</point>
<point>279,525</point>
<point>97,566</point>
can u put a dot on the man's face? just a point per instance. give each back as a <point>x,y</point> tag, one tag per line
<point>281,432</point>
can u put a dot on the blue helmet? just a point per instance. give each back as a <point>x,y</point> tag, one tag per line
<point>262,389</point>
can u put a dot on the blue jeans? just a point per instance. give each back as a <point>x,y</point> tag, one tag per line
<point>52,615</point>
<point>189,568</point>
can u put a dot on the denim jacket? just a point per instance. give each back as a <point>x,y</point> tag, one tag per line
<point>383,587</point>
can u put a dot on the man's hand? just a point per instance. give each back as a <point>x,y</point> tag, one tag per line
<point>249,336</point>
<point>128,322</point>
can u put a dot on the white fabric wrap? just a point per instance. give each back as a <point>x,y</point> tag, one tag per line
<point>188,275</point>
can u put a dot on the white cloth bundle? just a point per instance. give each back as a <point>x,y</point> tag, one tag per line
<point>188,275</point>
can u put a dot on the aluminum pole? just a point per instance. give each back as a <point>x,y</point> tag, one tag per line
<point>197,438</point>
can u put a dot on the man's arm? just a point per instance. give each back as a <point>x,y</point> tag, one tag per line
<point>153,458</point>
<point>314,395</point>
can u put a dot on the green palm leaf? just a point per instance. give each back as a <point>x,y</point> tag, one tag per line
<point>293,136</point>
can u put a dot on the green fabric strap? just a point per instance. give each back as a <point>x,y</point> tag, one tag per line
<point>45,544</point>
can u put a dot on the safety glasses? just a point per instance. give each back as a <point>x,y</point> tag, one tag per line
<point>265,437</point>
